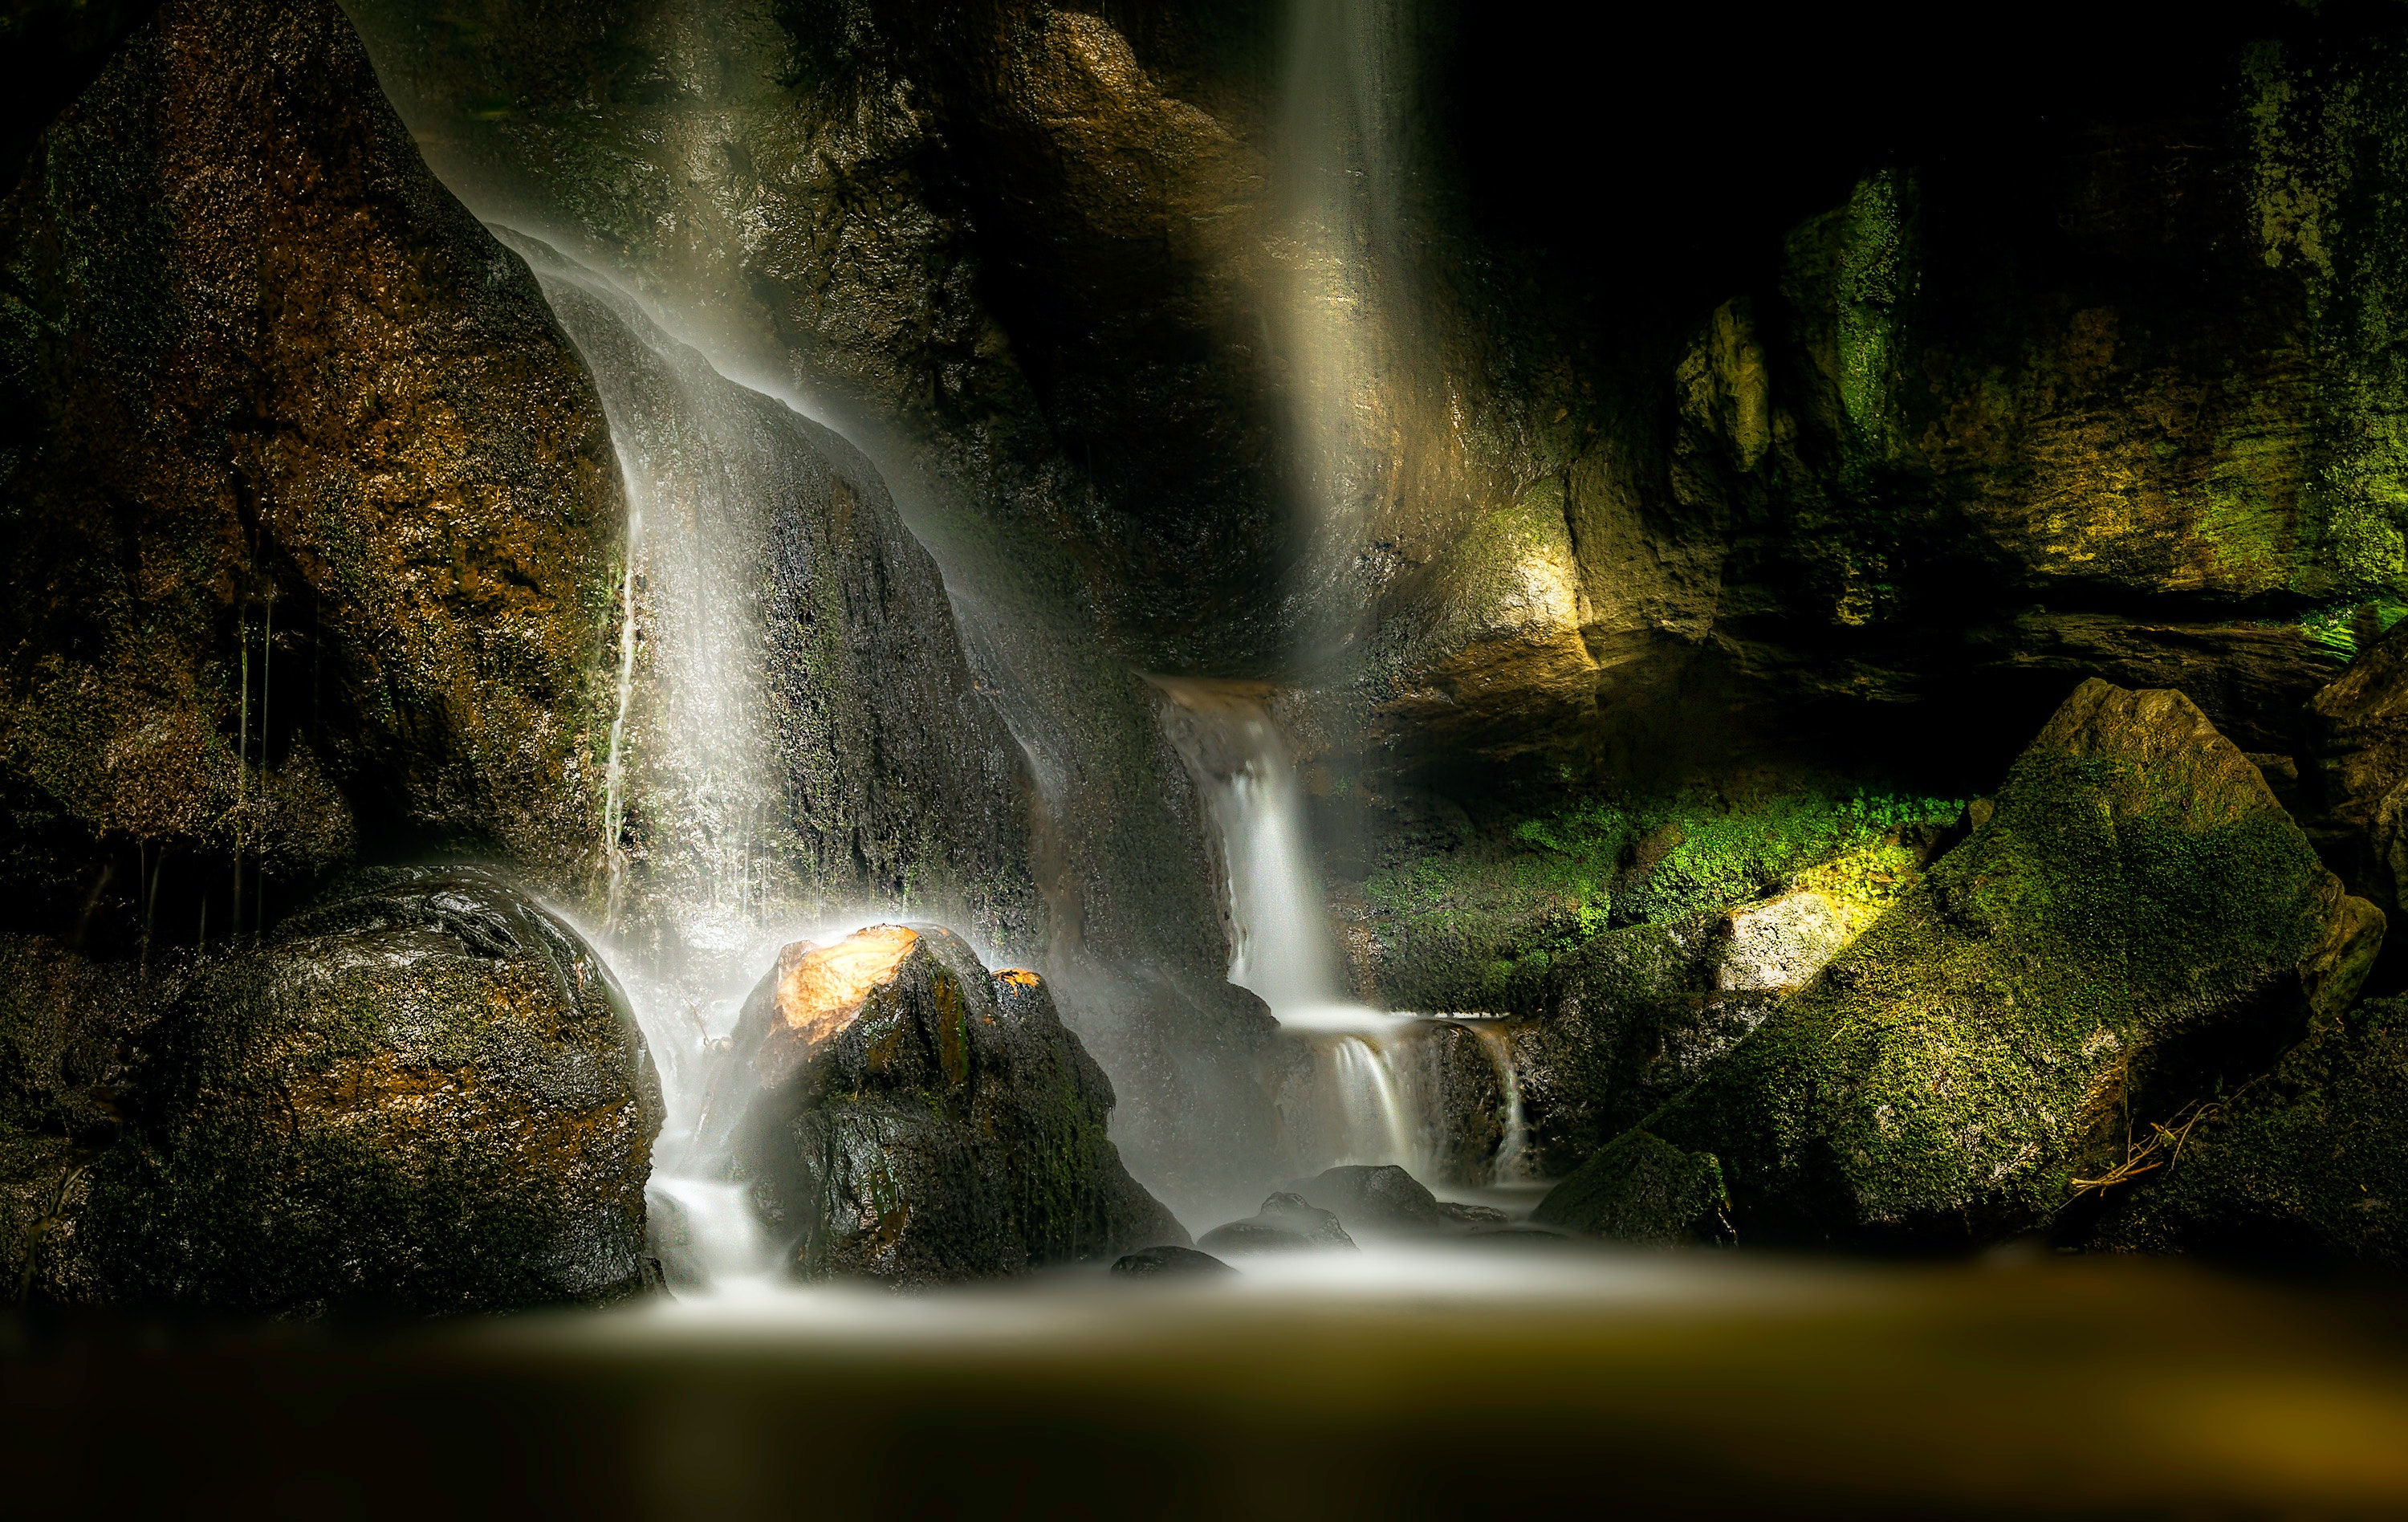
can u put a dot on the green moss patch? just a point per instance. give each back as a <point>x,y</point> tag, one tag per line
<point>1480,926</point>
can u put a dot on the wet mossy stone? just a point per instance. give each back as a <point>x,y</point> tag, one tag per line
<point>1641,1189</point>
<point>904,1115</point>
<point>426,1096</point>
<point>2137,918</point>
<point>2308,1164</point>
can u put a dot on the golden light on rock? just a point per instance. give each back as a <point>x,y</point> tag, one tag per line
<point>822,988</point>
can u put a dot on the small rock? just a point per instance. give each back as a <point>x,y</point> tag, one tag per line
<point>1178,1261</point>
<point>1253,1236</point>
<point>1287,1223</point>
<point>1292,1211</point>
<point>1477,1217</point>
<point>1382,1198</point>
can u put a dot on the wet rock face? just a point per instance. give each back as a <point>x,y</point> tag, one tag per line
<point>311,510</point>
<point>2137,921</point>
<point>426,1094</point>
<point>2358,733</point>
<point>906,1115</point>
<point>994,229</point>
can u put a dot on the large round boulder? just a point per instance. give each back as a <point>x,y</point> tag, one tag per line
<point>426,1094</point>
<point>905,1115</point>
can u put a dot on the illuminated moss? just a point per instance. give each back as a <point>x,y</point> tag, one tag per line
<point>1480,926</point>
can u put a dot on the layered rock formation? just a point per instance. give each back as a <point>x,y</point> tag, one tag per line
<point>2137,920</point>
<point>904,1115</point>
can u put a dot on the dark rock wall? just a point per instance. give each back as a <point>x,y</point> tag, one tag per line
<point>311,511</point>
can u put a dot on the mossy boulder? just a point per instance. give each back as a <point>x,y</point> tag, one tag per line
<point>904,1115</point>
<point>425,1094</point>
<point>2137,915</point>
<point>1640,1013</point>
<point>2308,1163</point>
<point>1643,1190</point>
<point>1494,920</point>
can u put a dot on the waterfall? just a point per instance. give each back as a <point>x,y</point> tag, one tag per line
<point>1280,944</point>
<point>1507,1167</point>
<point>700,888</point>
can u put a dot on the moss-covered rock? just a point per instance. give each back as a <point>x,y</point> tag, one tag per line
<point>426,1094</point>
<point>1493,920</point>
<point>906,1115</point>
<point>2137,916</point>
<point>2308,1163</point>
<point>1643,1189</point>
<point>310,508</point>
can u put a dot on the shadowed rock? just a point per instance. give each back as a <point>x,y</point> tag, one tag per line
<point>1384,1198</point>
<point>1286,1223</point>
<point>906,1115</point>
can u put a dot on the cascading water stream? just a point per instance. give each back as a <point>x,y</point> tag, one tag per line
<point>1280,945</point>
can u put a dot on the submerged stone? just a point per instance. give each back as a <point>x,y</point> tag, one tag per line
<point>1174,1262</point>
<point>2138,917</point>
<point>904,1115</point>
<point>426,1094</point>
<point>1286,1223</point>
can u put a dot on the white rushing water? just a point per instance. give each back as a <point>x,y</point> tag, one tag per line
<point>1281,946</point>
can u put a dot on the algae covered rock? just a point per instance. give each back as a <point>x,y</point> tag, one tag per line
<point>2136,917</point>
<point>425,1094</point>
<point>1641,1189</point>
<point>905,1115</point>
<point>2308,1163</point>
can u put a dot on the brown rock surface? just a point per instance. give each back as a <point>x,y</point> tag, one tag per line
<point>311,507</point>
